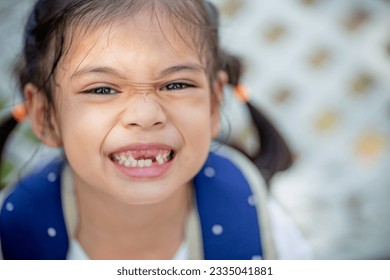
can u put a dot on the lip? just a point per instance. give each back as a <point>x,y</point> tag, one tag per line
<point>154,171</point>
<point>144,146</point>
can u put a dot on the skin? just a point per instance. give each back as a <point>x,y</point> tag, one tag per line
<point>139,64</point>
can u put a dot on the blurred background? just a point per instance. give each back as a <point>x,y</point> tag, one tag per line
<point>320,71</point>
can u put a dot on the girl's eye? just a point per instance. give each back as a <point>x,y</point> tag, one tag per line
<point>176,86</point>
<point>102,91</point>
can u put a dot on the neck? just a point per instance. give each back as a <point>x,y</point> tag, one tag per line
<point>109,229</point>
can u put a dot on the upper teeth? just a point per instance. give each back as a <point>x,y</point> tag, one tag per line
<point>128,160</point>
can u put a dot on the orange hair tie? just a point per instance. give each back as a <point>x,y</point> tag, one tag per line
<point>19,112</point>
<point>241,92</point>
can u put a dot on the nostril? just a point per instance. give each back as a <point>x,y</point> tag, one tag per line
<point>158,124</point>
<point>134,124</point>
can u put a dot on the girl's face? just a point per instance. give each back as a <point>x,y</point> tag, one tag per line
<point>134,111</point>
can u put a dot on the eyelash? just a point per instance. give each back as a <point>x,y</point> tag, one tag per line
<point>177,86</point>
<point>109,90</point>
<point>101,91</point>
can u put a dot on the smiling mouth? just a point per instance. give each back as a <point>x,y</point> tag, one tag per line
<point>143,158</point>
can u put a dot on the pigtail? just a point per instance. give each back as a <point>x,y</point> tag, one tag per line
<point>10,122</point>
<point>7,126</point>
<point>274,155</point>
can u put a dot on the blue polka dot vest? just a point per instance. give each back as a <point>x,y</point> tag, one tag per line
<point>32,223</point>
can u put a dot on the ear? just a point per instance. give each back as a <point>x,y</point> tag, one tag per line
<point>43,121</point>
<point>216,101</point>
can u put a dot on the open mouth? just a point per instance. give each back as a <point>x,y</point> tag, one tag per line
<point>143,158</point>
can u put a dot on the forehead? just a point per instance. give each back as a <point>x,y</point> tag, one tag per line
<point>145,33</point>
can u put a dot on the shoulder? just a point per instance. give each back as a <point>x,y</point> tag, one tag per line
<point>232,194</point>
<point>29,212</point>
<point>240,162</point>
<point>229,174</point>
<point>34,187</point>
<point>226,166</point>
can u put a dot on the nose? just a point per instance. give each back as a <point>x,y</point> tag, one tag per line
<point>144,111</point>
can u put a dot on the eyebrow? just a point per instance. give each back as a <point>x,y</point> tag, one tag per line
<point>96,70</point>
<point>192,67</point>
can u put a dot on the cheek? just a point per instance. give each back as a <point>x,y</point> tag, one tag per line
<point>83,128</point>
<point>193,120</point>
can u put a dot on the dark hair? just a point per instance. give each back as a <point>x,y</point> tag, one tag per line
<point>46,41</point>
<point>273,155</point>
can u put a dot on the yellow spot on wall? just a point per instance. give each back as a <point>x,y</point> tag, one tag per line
<point>371,145</point>
<point>361,84</point>
<point>275,33</point>
<point>308,2</point>
<point>327,121</point>
<point>356,19</point>
<point>231,7</point>
<point>282,95</point>
<point>319,58</point>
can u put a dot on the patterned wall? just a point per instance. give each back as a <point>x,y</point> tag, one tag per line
<point>321,71</point>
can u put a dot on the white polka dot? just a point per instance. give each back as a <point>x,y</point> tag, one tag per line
<point>51,177</point>
<point>10,207</point>
<point>51,232</point>
<point>257,257</point>
<point>217,229</point>
<point>209,172</point>
<point>252,200</point>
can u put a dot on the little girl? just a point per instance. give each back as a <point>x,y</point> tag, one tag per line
<point>131,91</point>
